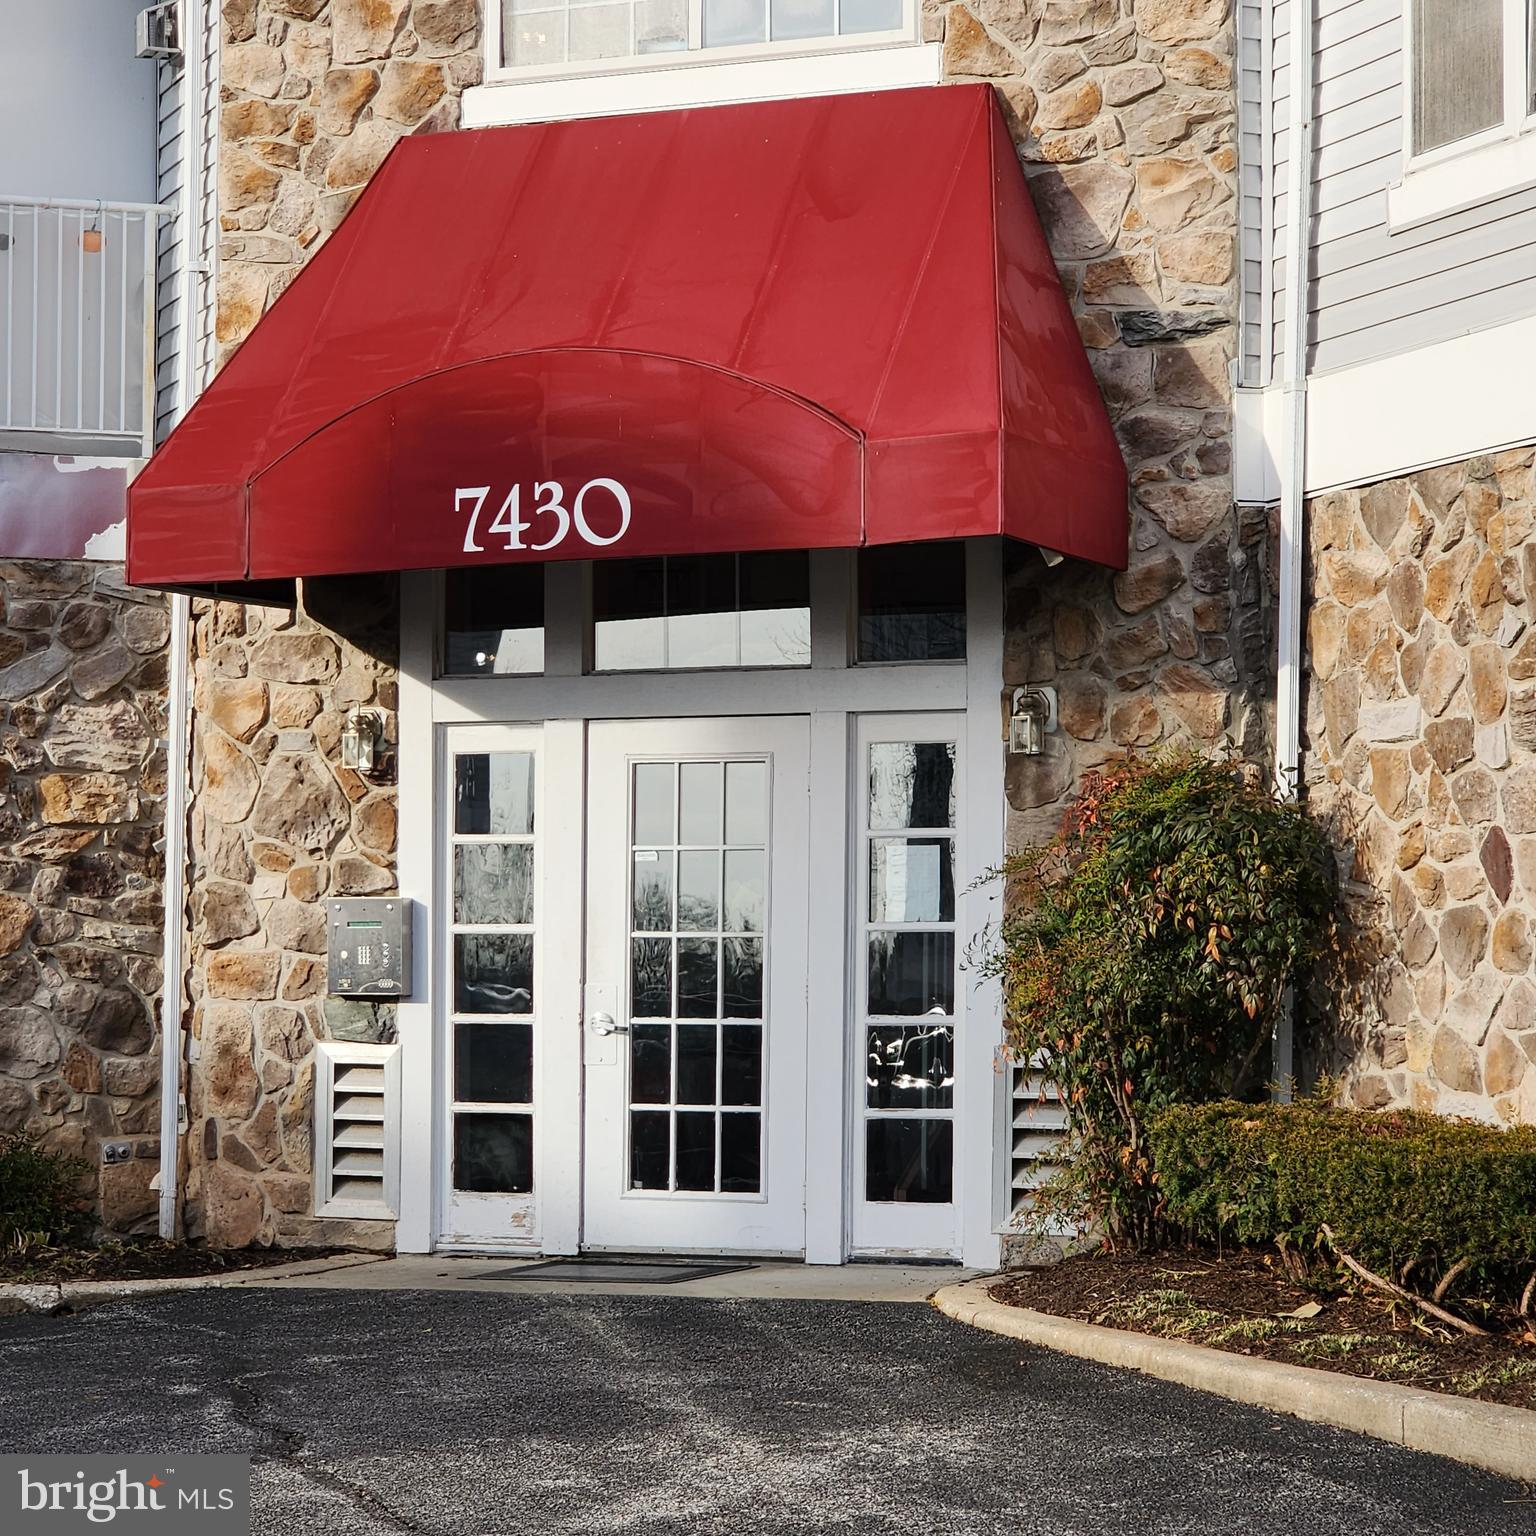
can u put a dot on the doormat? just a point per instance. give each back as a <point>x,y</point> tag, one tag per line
<point>617,1271</point>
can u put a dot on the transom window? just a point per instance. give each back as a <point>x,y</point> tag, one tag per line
<point>1473,71</point>
<point>689,611</point>
<point>904,603</point>
<point>562,36</point>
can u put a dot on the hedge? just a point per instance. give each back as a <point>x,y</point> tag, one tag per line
<point>1392,1186</point>
<point>40,1201</point>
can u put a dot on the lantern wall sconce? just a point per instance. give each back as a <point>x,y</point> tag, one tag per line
<point>363,745</point>
<point>1031,718</point>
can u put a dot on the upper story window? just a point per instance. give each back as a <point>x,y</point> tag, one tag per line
<point>1473,71</point>
<point>531,38</point>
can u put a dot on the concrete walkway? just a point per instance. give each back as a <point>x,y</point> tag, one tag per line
<point>499,1413</point>
<point>757,1282</point>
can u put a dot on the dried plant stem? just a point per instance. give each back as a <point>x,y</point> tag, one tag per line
<point>1448,1279</point>
<point>1393,1289</point>
<point>1526,1295</point>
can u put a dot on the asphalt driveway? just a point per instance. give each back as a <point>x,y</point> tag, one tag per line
<point>371,1413</point>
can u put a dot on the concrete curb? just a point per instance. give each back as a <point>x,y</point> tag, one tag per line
<point>75,1295</point>
<point>1487,1435</point>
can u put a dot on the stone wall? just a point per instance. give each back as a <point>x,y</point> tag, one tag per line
<point>278,825</point>
<point>82,787</point>
<point>1124,116</point>
<point>1421,754</point>
<point>313,95</point>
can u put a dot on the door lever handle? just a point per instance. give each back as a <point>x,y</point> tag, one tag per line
<point>605,1024</point>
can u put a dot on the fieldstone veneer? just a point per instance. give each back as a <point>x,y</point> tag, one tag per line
<point>278,826</point>
<point>82,787</point>
<point>314,94</point>
<point>1124,115</point>
<point>1421,754</point>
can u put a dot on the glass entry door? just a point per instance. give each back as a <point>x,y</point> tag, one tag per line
<point>695,1030</point>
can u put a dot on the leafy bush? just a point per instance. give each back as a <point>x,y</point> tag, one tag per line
<point>1144,956</point>
<point>1397,1189</point>
<point>40,1201</point>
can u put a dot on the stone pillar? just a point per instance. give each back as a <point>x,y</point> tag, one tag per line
<point>278,825</point>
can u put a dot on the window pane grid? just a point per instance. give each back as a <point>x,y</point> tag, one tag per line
<point>697,859</point>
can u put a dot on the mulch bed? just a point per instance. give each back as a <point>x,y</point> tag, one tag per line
<point>151,1259</point>
<point>1243,1302</point>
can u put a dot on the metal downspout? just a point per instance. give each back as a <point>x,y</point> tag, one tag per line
<point>178,702</point>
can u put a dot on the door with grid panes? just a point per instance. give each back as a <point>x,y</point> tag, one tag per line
<point>694,1041</point>
<point>493,984</point>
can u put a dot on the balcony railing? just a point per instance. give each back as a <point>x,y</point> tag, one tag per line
<point>77,318</point>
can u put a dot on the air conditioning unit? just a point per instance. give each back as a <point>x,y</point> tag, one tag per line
<point>158,31</point>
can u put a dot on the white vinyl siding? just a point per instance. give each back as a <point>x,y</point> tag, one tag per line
<point>175,246</point>
<point>170,164</point>
<point>1253,171</point>
<point>1376,292</point>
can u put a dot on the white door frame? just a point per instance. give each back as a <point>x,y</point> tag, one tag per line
<point>833,694</point>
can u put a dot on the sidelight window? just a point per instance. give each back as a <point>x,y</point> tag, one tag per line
<point>493,987</point>
<point>907,971</point>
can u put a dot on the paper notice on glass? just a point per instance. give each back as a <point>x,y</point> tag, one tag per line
<point>912,881</point>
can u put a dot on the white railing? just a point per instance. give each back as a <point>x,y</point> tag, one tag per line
<point>77,319</point>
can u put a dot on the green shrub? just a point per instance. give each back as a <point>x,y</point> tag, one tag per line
<point>1394,1187</point>
<point>40,1200</point>
<point>1144,955</point>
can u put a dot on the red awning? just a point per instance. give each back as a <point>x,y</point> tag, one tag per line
<point>801,324</point>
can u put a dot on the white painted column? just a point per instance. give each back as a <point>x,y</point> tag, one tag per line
<point>417,796</point>
<point>827,1158</point>
<point>557,1126</point>
<point>981,1098</point>
<point>827,1128</point>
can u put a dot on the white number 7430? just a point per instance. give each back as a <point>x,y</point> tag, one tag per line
<point>548,502</point>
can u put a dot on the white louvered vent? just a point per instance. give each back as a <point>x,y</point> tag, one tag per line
<point>1036,1121</point>
<point>357,1153</point>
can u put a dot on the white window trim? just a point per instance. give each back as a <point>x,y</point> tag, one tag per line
<point>706,81</point>
<point>1494,163</point>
